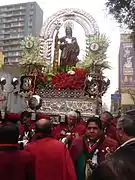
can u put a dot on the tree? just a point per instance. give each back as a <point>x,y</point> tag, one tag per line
<point>124,13</point>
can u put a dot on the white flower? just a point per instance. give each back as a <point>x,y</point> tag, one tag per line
<point>71,72</point>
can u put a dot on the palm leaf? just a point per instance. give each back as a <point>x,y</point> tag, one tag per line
<point>98,58</point>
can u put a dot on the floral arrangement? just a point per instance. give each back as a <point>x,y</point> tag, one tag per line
<point>73,79</point>
<point>31,54</point>
<point>97,57</point>
<point>41,81</point>
<point>32,63</point>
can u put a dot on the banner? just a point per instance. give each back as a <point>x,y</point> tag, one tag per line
<point>127,65</point>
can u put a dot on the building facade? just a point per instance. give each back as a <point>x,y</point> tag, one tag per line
<point>127,73</point>
<point>115,103</point>
<point>16,22</point>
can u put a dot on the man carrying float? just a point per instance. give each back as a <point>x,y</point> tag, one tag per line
<point>69,130</point>
<point>90,150</point>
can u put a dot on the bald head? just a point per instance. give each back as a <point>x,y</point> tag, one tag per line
<point>44,126</point>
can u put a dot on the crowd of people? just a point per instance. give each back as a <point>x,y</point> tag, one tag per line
<point>100,148</point>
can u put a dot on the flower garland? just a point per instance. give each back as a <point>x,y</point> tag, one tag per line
<point>70,80</point>
<point>73,79</point>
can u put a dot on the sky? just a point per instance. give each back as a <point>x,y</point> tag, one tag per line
<point>106,25</point>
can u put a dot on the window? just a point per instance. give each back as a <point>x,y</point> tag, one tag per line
<point>14,24</point>
<point>13,54</point>
<point>20,30</point>
<point>7,36</point>
<point>3,9</point>
<point>22,7</point>
<point>12,60</point>
<point>1,31</point>
<point>13,30</point>
<point>7,26</point>
<point>1,36</point>
<point>21,19</point>
<point>31,12</point>
<point>2,26</point>
<point>32,6</point>
<point>20,34</point>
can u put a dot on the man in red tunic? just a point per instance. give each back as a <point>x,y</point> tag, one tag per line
<point>12,117</point>
<point>79,118</point>
<point>15,164</point>
<point>91,149</point>
<point>70,129</point>
<point>52,158</point>
<point>109,124</point>
<point>27,126</point>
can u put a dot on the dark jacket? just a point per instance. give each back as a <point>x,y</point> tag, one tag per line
<point>120,165</point>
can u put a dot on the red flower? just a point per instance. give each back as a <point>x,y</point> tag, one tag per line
<point>64,80</point>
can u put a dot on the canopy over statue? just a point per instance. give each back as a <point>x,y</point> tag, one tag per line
<point>69,49</point>
<point>59,18</point>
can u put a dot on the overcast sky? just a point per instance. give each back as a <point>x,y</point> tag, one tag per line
<point>106,25</point>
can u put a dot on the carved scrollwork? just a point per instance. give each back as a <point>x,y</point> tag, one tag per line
<point>64,105</point>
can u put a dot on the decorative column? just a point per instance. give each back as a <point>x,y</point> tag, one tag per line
<point>56,54</point>
<point>56,48</point>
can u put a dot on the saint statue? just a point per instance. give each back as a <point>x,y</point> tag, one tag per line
<point>69,49</point>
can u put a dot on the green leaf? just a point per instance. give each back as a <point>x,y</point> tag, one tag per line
<point>96,58</point>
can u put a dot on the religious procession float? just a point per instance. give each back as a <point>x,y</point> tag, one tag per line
<point>52,73</point>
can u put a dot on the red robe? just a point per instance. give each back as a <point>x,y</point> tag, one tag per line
<point>111,130</point>
<point>57,132</point>
<point>16,164</point>
<point>13,117</point>
<point>52,160</point>
<point>42,116</point>
<point>77,147</point>
<point>82,121</point>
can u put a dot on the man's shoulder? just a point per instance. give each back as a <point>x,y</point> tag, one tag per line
<point>43,142</point>
<point>127,151</point>
<point>77,141</point>
<point>130,146</point>
<point>25,155</point>
<point>80,126</point>
<point>110,142</point>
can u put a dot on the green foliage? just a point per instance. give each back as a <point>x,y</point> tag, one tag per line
<point>124,12</point>
<point>96,58</point>
<point>31,56</point>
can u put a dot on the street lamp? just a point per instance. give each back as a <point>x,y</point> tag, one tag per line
<point>5,97</point>
<point>2,82</point>
<point>35,103</point>
<point>14,82</point>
